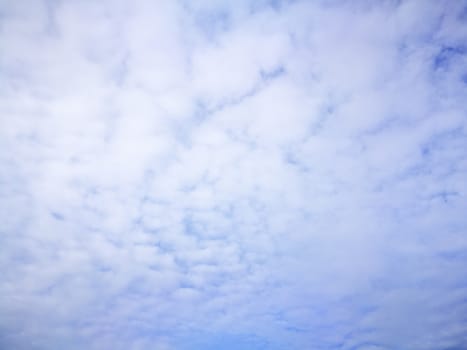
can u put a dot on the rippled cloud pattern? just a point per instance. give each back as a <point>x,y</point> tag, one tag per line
<point>251,174</point>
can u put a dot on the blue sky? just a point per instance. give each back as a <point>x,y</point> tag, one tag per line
<point>184,175</point>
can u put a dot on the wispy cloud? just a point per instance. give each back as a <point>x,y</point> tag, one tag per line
<point>220,175</point>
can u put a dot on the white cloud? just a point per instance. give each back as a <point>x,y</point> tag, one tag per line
<point>218,175</point>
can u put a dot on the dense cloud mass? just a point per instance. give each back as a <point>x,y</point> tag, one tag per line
<point>247,174</point>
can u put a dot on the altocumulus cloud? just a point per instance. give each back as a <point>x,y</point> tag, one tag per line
<point>233,174</point>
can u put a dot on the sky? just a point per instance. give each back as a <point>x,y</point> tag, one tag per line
<point>249,174</point>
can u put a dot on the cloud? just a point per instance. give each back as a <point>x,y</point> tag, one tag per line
<point>257,175</point>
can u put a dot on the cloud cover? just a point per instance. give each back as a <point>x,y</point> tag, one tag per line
<point>233,175</point>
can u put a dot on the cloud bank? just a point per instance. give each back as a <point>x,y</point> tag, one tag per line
<point>233,175</point>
